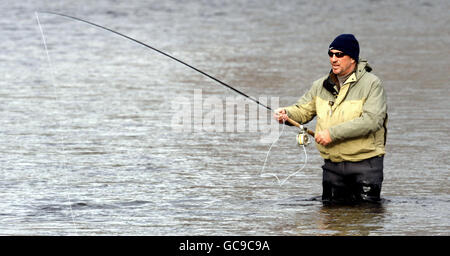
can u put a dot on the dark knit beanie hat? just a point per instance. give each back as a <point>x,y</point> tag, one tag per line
<point>348,44</point>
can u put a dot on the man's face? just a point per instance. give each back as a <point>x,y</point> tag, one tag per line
<point>342,65</point>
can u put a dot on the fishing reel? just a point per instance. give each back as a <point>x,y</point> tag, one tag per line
<point>302,137</point>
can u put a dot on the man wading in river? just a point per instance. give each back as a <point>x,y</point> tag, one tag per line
<point>350,105</point>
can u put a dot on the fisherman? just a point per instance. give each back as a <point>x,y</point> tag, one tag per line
<point>350,134</point>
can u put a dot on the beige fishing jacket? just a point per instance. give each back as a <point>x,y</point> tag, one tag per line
<point>356,116</point>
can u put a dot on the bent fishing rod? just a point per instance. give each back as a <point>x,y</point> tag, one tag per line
<point>179,61</point>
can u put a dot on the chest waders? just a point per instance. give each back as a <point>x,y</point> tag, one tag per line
<point>352,182</point>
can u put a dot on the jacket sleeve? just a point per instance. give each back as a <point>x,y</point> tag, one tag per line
<point>372,117</point>
<point>305,109</point>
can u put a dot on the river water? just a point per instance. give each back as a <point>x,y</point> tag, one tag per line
<point>105,137</point>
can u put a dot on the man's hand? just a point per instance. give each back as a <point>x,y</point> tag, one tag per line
<point>323,137</point>
<point>280,115</point>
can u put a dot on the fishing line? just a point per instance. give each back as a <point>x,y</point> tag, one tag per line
<point>52,75</point>
<point>281,182</point>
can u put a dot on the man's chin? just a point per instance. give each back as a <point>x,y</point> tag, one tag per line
<point>336,71</point>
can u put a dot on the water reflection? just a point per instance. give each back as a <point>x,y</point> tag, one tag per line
<point>342,220</point>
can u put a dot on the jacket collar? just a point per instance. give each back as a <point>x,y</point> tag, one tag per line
<point>351,78</point>
<point>361,69</point>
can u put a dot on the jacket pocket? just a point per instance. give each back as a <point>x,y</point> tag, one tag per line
<point>349,110</point>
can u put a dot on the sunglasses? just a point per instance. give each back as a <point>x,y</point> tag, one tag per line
<point>337,54</point>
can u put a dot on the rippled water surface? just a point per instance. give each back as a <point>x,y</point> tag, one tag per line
<point>88,142</point>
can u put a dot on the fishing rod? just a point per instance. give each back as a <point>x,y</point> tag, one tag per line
<point>182,62</point>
